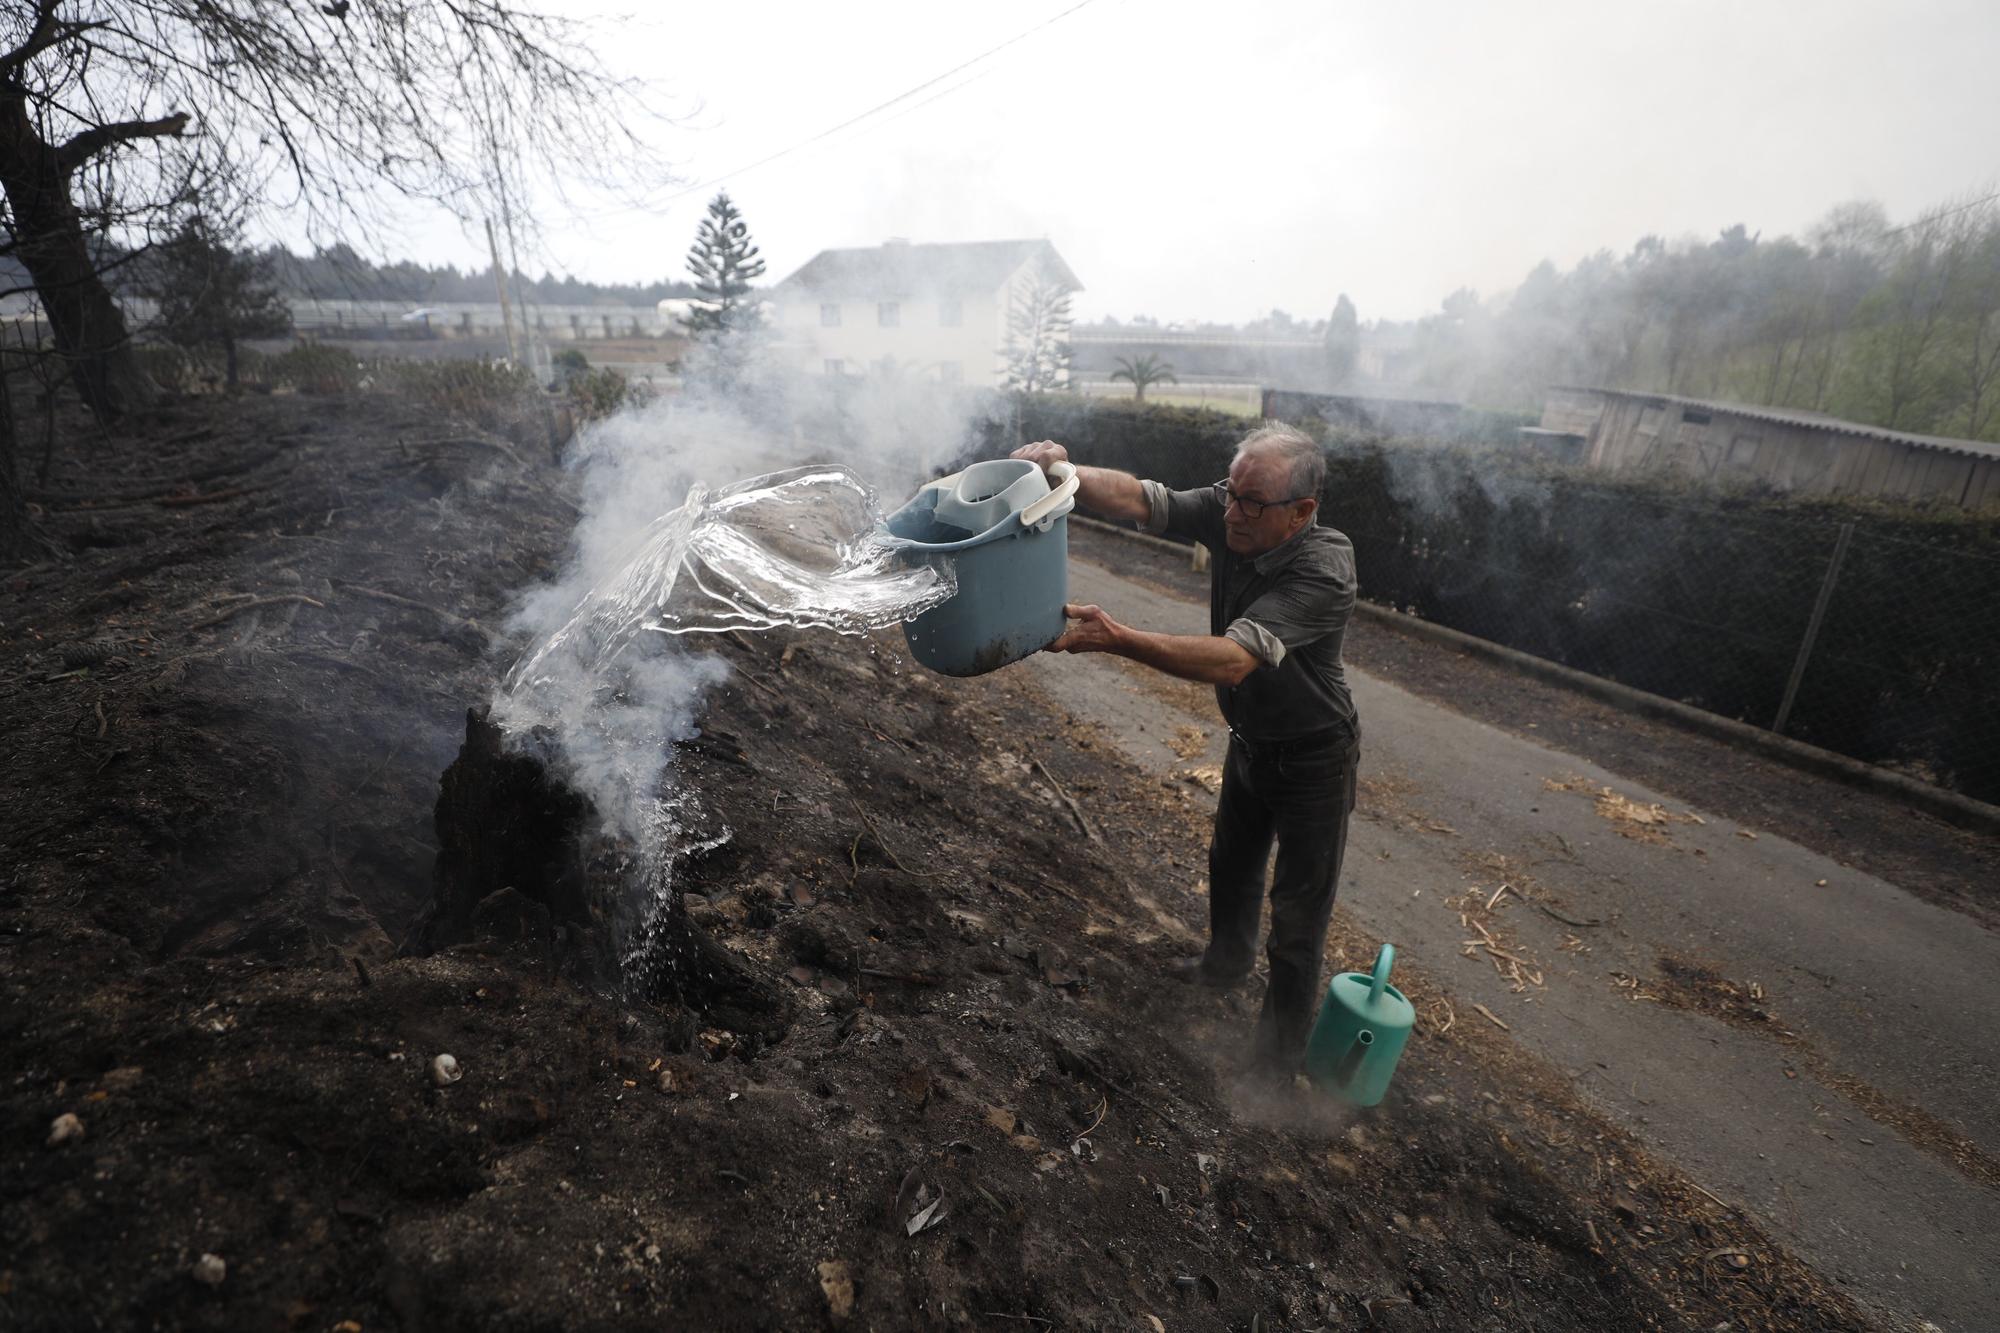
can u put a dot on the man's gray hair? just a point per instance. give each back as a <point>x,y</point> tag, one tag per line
<point>1300,452</point>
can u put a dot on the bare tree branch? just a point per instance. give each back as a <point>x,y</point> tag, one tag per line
<point>89,143</point>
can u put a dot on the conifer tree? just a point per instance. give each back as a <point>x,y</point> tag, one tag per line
<point>724,263</point>
<point>1038,350</point>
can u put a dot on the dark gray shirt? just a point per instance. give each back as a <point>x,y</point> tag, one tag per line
<point>1288,606</point>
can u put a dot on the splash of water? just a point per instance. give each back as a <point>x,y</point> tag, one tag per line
<point>797,548</point>
<point>669,839</point>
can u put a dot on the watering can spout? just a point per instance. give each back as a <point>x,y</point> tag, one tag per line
<point>1350,1063</point>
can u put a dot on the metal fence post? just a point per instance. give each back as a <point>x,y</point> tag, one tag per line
<point>1812,626</point>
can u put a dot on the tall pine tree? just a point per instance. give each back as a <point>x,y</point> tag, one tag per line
<point>1037,350</point>
<point>724,264</point>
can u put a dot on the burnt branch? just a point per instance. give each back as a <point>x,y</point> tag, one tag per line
<point>82,147</point>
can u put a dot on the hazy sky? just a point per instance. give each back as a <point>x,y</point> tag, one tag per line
<point>1213,161</point>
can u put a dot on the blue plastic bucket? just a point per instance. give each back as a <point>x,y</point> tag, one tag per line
<point>1001,529</point>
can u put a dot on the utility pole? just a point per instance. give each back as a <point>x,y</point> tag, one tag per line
<point>500,282</point>
<point>1812,627</point>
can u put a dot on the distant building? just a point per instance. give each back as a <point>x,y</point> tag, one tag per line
<point>1805,453</point>
<point>674,311</point>
<point>937,311</point>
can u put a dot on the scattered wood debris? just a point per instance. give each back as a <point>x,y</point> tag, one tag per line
<point>1646,821</point>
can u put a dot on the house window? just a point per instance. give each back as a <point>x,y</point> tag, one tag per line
<point>889,314</point>
<point>833,365</point>
<point>1694,418</point>
<point>951,313</point>
<point>829,316</point>
<point>951,372</point>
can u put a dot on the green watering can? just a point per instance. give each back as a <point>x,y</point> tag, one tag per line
<point>1360,1033</point>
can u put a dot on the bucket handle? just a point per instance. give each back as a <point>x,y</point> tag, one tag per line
<point>1065,489</point>
<point>1383,962</point>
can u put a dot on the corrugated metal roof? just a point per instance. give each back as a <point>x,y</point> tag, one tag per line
<point>1805,420</point>
<point>901,269</point>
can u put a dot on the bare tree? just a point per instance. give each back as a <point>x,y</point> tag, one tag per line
<point>116,116</point>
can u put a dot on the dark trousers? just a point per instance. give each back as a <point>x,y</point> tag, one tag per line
<point>1300,796</point>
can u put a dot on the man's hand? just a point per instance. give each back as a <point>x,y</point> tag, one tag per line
<point>1103,492</point>
<point>1044,454</point>
<point>1090,630</point>
<point>1210,659</point>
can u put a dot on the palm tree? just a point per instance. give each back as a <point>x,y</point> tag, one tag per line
<point>1146,370</point>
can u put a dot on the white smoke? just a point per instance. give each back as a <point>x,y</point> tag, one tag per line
<point>615,727</point>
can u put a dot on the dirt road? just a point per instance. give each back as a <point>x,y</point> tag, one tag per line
<point>1807,1041</point>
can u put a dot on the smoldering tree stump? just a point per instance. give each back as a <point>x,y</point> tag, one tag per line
<point>524,862</point>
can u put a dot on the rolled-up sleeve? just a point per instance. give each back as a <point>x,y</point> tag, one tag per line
<point>1194,515</point>
<point>1265,646</point>
<point>1311,599</point>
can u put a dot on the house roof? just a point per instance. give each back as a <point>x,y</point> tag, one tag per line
<point>900,269</point>
<point>1806,420</point>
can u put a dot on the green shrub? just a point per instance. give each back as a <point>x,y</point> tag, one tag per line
<point>175,369</point>
<point>483,391</point>
<point>599,393</point>
<point>316,368</point>
<point>202,369</point>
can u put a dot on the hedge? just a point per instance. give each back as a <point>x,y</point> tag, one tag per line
<point>1696,597</point>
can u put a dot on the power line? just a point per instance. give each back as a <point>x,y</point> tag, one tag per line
<point>898,99</point>
<point>1937,217</point>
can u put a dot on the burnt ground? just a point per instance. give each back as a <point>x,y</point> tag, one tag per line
<point>1937,861</point>
<point>229,698</point>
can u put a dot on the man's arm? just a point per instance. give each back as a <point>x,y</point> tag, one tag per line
<point>1210,659</point>
<point>1101,490</point>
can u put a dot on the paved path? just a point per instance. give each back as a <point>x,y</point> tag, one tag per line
<point>1890,993</point>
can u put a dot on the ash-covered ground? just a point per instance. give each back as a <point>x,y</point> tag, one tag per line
<point>230,696</point>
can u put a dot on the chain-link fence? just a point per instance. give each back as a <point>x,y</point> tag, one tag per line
<point>1873,634</point>
<point>1861,642</point>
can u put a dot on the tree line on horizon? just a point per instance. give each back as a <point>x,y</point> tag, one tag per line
<point>338,272</point>
<point>1892,325</point>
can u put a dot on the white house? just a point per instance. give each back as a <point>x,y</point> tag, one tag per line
<point>939,311</point>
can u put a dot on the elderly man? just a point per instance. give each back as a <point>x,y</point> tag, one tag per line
<point>1282,592</point>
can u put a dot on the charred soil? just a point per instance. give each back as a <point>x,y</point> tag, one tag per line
<point>952,1087</point>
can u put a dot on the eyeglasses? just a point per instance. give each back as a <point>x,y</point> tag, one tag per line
<point>1252,509</point>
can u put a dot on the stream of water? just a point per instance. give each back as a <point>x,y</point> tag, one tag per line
<point>788,549</point>
<point>796,548</point>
